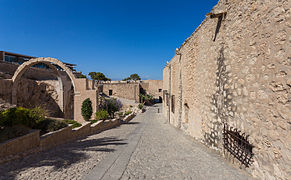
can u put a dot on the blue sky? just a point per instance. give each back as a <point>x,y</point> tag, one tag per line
<point>116,37</point>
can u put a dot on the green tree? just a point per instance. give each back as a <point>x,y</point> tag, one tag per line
<point>133,77</point>
<point>82,76</point>
<point>98,76</point>
<point>87,109</point>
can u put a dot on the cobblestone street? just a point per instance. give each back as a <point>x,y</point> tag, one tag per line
<point>146,148</point>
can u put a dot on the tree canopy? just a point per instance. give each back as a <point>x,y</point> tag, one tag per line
<point>133,77</point>
<point>98,76</point>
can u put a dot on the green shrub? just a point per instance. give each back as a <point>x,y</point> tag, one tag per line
<point>38,114</point>
<point>94,121</point>
<point>127,113</point>
<point>140,106</point>
<point>73,122</point>
<point>111,105</point>
<point>147,99</point>
<point>120,114</point>
<point>18,116</point>
<point>87,109</point>
<point>49,125</point>
<point>82,76</point>
<point>102,115</point>
<point>31,118</point>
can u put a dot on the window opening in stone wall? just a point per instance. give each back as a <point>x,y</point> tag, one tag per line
<point>186,111</point>
<point>160,90</point>
<point>110,92</point>
<point>173,103</point>
<point>238,145</point>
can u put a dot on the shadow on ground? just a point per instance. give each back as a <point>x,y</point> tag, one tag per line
<point>132,123</point>
<point>61,157</point>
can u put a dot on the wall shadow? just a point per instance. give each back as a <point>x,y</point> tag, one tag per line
<point>221,102</point>
<point>31,94</point>
<point>60,157</point>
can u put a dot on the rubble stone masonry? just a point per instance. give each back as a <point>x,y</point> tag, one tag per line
<point>235,69</point>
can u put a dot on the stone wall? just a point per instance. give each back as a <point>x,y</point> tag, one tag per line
<point>235,69</point>
<point>86,89</point>
<point>33,142</point>
<point>153,87</point>
<point>18,145</point>
<point>123,90</point>
<point>38,87</point>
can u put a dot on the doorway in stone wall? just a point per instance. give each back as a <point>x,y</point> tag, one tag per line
<point>160,99</point>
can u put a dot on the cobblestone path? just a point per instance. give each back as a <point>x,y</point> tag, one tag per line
<point>166,153</point>
<point>146,148</point>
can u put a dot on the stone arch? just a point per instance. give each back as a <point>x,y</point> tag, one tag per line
<point>49,62</point>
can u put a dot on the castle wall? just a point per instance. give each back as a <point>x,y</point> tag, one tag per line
<point>237,72</point>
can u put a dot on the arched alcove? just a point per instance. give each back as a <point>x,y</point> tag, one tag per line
<point>50,62</point>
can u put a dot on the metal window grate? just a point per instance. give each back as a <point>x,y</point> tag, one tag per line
<point>238,145</point>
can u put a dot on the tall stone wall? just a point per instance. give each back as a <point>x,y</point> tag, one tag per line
<point>235,69</point>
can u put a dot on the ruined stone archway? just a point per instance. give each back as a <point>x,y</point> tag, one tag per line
<point>49,62</point>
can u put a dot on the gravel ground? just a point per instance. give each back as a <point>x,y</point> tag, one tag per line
<point>68,161</point>
<point>161,152</point>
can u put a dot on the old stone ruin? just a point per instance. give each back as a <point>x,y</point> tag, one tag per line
<point>57,91</point>
<point>229,85</point>
<point>56,87</point>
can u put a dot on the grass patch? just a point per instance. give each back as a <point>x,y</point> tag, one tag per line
<point>102,115</point>
<point>49,125</point>
<point>140,106</point>
<point>94,121</point>
<point>127,113</point>
<point>74,123</point>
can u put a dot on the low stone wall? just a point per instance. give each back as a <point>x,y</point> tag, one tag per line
<point>82,131</point>
<point>104,125</point>
<point>55,138</point>
<point>33,142</point>
<point>19,145</point>
<point>129,117</point>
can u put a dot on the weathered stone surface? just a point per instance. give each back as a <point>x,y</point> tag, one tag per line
<point>250,54</point>
<point>59,93</point>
